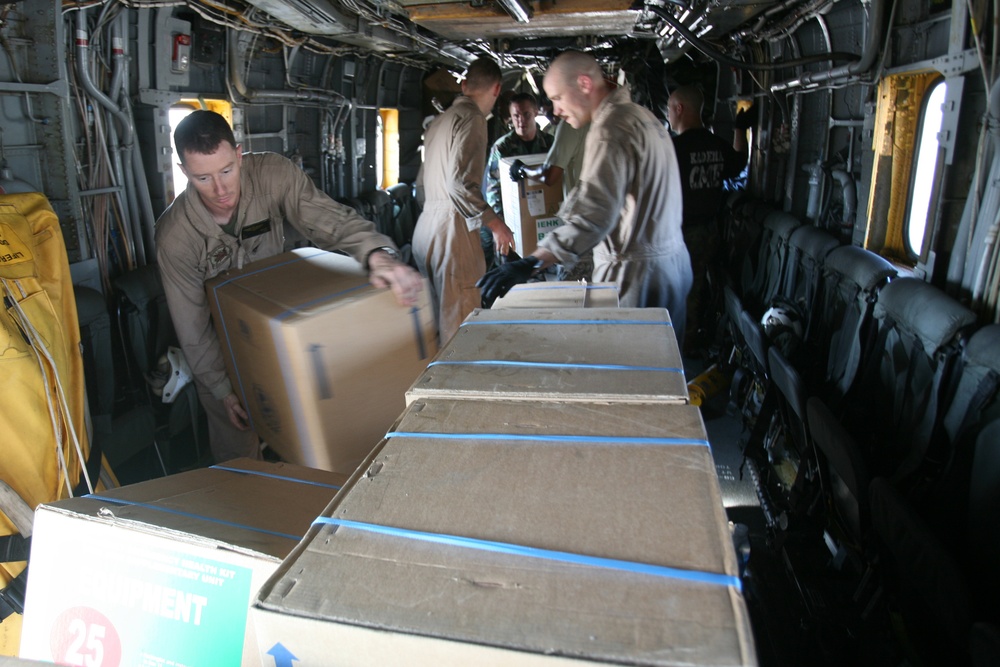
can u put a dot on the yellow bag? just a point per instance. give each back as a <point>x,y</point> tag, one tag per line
<point>43,393</point>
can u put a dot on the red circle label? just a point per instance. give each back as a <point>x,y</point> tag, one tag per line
<point>84,637</point>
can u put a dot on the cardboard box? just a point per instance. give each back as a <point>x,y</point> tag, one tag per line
<point>559,294</point>
<point>498,533</point>
<point>321,359</point>
<point>566,354</point>
<point>163,572</point>
<point>529,206</point>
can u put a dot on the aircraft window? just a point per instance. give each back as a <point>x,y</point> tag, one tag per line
<point>176,114</point>
<point>387,141</point>
<point>925,168</point>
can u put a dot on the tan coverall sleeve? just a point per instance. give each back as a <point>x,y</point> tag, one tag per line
<point>465,182</point>
<point>593,209</point>
<point>184,285</point>
<point>327,223</point>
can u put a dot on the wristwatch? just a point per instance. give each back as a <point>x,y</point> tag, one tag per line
<point>389,250</point>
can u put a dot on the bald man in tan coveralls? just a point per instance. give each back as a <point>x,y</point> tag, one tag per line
<point>446,242</point>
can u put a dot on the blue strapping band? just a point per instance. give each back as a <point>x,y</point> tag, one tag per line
<point>547,554</point>
<point>193,516</point>
<point>542,286</point>
<point>574,322</point>
<point>284,478</point>
<point>551,364</point>
<point>321,299</point>
<point>225,327</point>
<point>550,437</point>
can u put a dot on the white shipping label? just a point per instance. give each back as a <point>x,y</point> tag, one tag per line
<point>536,203</point>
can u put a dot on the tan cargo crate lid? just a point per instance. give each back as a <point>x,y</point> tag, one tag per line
<point>559,294</point>
<point>568,354</point>
<point>563,531</point>
<point>241,505</point>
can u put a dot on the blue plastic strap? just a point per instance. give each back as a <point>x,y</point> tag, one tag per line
<point>469,323</point>
<point>552,364</point>
<point>284,478</point>
<point>550,437</point>
<point>418,333</point>
<point>191,515</point>
<point>546,554</point>
<point>320,299</point>
<point>542,286</point>
<point>225,327</point>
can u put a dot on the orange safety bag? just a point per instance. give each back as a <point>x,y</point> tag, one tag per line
<point>43,434</point>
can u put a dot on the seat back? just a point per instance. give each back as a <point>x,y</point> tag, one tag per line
<point>842,329</point>
<point>808,246</point>
<point>144,318</point>
<point>764,275</point>
<point>95,343</point>
<point>742,219</point>
<point>404,213</point>
<point>378,207</point>
<point>918,342</point>
<point>983,541</point>
<point>844,470</point>
<point>125,435</point>
<point>147,331</point>
<point>975,400</point>
<point>795,464</point>
<point>924,577</point>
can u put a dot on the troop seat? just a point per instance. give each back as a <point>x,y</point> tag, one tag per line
<point>808,248</point>
<point>899,404</point>
<point>764,270</point>
<point>849,285</point>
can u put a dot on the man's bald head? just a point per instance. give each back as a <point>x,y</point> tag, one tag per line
<point>571,64</point>
<point>684,108</point>
<point>575,84</point>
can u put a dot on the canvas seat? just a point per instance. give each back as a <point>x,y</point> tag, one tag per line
<point>845,481</point>
<point>923,580</point>
<point>808,248</point>
<point>764,272</point>
<point>899,405</point>
<point>125,434</point>
<point>842,328</point>
<point>147,332</point>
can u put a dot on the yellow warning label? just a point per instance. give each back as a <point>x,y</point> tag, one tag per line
<point>12,249</point>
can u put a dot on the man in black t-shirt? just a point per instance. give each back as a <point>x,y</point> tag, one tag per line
<point>705,161</point>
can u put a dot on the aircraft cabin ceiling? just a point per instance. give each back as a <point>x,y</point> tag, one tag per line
<point>523,32</point>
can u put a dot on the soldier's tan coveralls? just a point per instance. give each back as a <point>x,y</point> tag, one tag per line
<point>192,248</point>
<point>628,207</point>
<point>446,242</point>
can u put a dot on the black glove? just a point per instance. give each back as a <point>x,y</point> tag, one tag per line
<point>745,118</point>
<point>517,170</point>
<point>499,280</point>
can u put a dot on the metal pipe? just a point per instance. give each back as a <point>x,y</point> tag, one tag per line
<point>868,55</point>
<point>849,191</point>
<point>135,176</point>
<point>710,51</point>
<point>252,95</point>
<point>83,71</point>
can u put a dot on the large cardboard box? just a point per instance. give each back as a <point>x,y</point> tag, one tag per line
<point>559,294</point>
<point>494,533</point>
<point>566,354</point>
<point>321,359</point>
<point>529,206</point>
<point>163,572</point>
